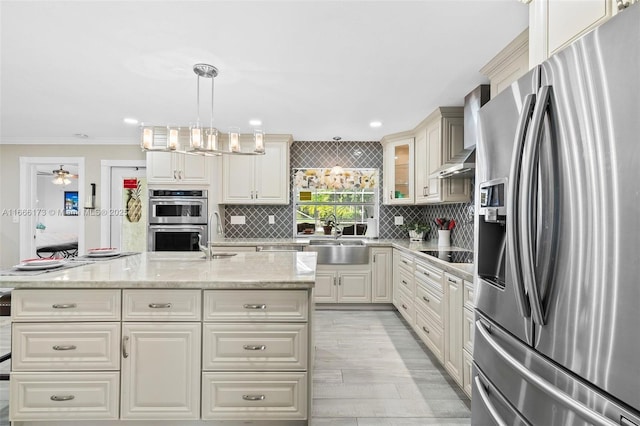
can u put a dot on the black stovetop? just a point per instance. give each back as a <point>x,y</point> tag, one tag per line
<point>451,256</point>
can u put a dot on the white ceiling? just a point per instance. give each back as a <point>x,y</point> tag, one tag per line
<point>315,69</point>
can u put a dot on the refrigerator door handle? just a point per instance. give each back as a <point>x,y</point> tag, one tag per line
<point>513,198</point>
<point>527,201</point>
<point>484,397</point>
<point>580,409</point>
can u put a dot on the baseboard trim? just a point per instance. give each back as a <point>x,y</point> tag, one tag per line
<point>355,307</point>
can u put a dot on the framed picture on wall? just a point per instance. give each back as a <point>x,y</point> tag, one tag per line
<point>71,203</point>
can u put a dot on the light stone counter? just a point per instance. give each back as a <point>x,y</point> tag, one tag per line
<point>250,270</point>
<point>463,270</point>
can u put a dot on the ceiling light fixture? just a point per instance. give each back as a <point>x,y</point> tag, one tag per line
<point>129,120</point>
<point>375,124</point>
<point>337,170</point>
<point>61,177</point>
<point>197,139</point>
<point>255,122</point>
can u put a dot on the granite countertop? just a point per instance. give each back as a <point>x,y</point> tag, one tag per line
<point>463,270</point>
<point>277,270</point>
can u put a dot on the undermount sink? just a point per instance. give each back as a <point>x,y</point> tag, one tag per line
<point>340,252</point>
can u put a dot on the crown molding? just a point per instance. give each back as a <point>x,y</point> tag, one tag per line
<point>67,141</point>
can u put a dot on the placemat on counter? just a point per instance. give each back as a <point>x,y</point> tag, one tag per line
<point>20,273</point>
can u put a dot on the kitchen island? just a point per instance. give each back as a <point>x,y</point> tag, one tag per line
<point>165,336</point>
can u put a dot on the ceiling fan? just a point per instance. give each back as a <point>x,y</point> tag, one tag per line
<point>60,176</point>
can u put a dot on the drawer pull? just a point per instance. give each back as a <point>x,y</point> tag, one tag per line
<point>404,282</point>
<point>64,347</point>
<point>452,281</point>
<point>64,305</point>
<point>62,397</point>
<point>426,273</point>
<point>159,305</point>
<point>254,306</point>
<point>426,299</point>
<point>425,330</point>
<point>125,340</point>
<point>254,347</point>
<point>404,306</point>
<point>253,397</point>
<point>405,262</point>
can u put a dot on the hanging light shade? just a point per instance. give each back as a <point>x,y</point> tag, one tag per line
<point>201,140</point>
<point>61,177</point>
<point>337,169</point>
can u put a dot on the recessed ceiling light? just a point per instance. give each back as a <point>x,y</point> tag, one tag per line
<point>130,120</point>
<point>255,122</point>
<point>375,124</point>
<point>81,135</point>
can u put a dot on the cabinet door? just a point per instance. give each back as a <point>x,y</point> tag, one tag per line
<point>453,190</point>
<point>162,167</point>
<point>325,290</point>
<point>568,20</point>
<point>272,175</point>
<point>194,169</point>
<point>421,166</point>
<point>238,175</point>
<point>160,371</point>
<point>399,172</point>
<point>433,161</point>
<point>381,275</point>
<point>453,327</point>
<point>354,287</point>
<point>467,373</point>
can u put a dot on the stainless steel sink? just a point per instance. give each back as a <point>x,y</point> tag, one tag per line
<point>340,252</point>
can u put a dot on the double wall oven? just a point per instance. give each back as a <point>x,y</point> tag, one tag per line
<point>177,219</point>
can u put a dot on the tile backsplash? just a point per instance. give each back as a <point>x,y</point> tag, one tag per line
<point>348,154</point>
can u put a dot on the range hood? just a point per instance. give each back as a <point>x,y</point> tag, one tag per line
<point>463,164</point>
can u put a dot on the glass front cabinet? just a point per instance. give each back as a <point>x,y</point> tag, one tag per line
<point>398,172</point>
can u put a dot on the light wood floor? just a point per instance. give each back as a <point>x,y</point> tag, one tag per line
<point>372,370</point>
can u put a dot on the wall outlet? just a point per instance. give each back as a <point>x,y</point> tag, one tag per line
<point>398,220</point>
<point>272,219</point>
<point>15,219</point>
<point>237,220</point>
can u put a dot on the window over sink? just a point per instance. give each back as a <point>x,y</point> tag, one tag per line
<point>323,201</point>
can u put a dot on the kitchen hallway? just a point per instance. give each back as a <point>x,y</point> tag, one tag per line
<point>372,370</point>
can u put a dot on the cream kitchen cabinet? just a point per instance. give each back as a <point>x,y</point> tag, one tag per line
<point>453,314</point>
<point>261,179</point>
<point>398,170</point>
<point>468,327</point>
<point>176,168</point>
<point>343,284</point>
<point>381,274</point>
<point>554,24</point>
<point>509,64</point>
<point>441,138</point>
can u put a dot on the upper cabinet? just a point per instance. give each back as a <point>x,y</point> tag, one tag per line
<point>553,24</point>
<point>398,171</point>
<point>259,179</point>
<point>442,134</point>
<point>176,168</point>
<point>509,64</point>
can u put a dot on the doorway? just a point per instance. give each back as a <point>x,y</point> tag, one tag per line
<point>124,194</point>
<point>54,212</point>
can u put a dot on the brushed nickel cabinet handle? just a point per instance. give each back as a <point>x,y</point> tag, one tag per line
<point>159,305</point>
<point>391,195</point>
<point>253,397</point>
<point>404,282</point>
<point>340,281</point>
<point>452,281</point>
<point>426,299</point>
<point>426,273</point>
<point>175,174</point>
<point>64,347</point>
<point>256,195</point>
<point>425,330</point>
<point>254,347</point>
<point>404,306</point>
<point>64,305</point>
<point>254,306</point>
<point>62,397</point>
<point>125,340</point>
<point>405,262</point>
<point>180,174</point>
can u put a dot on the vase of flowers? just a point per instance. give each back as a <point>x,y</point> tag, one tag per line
<point>416,230</point>
<point>445,226</point>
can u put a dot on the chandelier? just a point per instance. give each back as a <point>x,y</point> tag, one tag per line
<point>197,139</point>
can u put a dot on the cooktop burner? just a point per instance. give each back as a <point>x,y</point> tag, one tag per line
<point>451,256</point>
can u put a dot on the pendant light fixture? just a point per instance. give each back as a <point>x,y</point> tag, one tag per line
<point>337,170</point>
<point>61,177</point>
<point>197,139</point>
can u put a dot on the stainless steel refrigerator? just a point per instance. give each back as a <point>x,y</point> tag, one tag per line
<point>557,332</point>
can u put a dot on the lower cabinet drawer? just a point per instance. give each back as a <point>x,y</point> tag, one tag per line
<point>430,302</point>
<point>64,396</point>
<point>65,346</point>
<point>255,305</point>
<point>467,368</point>
<point>254,346</point>
<point>45,304</point>
<point>254,396</point>
<point>431,334</point>
<point>161,305</point>
<point>406,307</point>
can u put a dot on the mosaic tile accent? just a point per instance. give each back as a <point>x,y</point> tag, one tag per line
<point>316,154</point>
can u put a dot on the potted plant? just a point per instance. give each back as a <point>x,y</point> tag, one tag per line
<point>328,224</point>
<point>416,230</point>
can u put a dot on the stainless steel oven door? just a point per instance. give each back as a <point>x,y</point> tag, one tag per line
<point>177,237</point>
<point>178,210</point>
